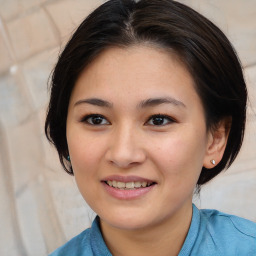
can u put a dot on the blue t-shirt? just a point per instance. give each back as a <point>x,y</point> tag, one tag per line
<point>211,233</point>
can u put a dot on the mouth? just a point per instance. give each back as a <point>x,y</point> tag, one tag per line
<point>128,187</point>
<point>132,185</point>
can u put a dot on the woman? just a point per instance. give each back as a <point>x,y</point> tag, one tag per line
<point>148,103</point>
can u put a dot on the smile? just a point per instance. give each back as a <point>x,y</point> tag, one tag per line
<point>128,185</point>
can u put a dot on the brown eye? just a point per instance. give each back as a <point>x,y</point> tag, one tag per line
<point>95,120</point>
<point>160,120</point>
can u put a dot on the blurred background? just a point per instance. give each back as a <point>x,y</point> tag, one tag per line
<point>40,206</point>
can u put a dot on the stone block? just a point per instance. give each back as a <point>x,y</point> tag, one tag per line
<point>14,103</point>
<point>46,213</point>
<point>242,27</point>
<point>236,20</point>
<point>231,193</point>
<point>28,216</point>
<point>37,71</point>
<point>12,8</point>
<point>39,227</point>
<point>10,236</point>
<point>31,33</point>
<point>250,76</point>
<point>246,159</point>
<point>5,57</point>
<point>73,212</point>
<point>67,14</point>
<point>25,153</point>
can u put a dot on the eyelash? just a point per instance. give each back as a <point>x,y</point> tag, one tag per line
<point>85,119</point>
<point>170,120</point>
<point>166,117</point>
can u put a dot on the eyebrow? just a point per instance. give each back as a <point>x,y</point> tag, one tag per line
<point>158,101</point>
<point>95,102</point>
<point>151,102</point>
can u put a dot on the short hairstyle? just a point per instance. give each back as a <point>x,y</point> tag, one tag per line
<point>200,45</point>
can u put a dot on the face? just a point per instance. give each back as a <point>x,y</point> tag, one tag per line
<point>137,137</point>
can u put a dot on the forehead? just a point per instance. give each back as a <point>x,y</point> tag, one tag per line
<point>138,71</point>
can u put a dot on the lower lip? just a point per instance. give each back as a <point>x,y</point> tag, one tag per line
<point>127,194</point>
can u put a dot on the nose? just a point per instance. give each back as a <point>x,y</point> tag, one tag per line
<point>126,148</point>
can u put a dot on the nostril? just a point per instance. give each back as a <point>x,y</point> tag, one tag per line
<point>124,151</point>
<point>125,159</point>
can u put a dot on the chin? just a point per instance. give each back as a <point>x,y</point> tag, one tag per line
<point>127,221</point>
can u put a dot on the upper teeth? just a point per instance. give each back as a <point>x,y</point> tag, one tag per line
<point>128,185</point>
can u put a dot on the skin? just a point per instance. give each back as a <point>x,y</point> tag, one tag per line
<point>128,142</point>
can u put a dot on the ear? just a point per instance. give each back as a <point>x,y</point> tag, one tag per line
<point>217,141</point>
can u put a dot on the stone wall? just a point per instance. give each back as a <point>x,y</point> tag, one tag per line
<point>41,207</point>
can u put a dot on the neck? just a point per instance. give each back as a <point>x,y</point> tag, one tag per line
<point>165,238</point>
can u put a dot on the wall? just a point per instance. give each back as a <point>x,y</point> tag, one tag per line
<point>40,204</point>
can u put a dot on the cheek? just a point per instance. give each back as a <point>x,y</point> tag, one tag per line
<point>85,153</point>
<point>180,154</point>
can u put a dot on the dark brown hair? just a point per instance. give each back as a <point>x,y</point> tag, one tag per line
<point>200,45</point>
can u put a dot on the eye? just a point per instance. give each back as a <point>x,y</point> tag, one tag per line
<point>159,120</point>
<point>95,119</point>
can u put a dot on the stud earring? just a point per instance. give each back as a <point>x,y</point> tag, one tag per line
<point>68,158</point>
<point>213,161</point>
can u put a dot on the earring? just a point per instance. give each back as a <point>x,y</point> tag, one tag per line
<point>68,158</point>
<point>213,161</point>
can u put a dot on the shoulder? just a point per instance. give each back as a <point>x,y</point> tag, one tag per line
<point>232,235</point>
<point>88,243</point>
<point>79,245</point>
<point>219,220</point>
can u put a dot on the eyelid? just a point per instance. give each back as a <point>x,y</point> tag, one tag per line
<point>86,117</point>
<point>169,118</point>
